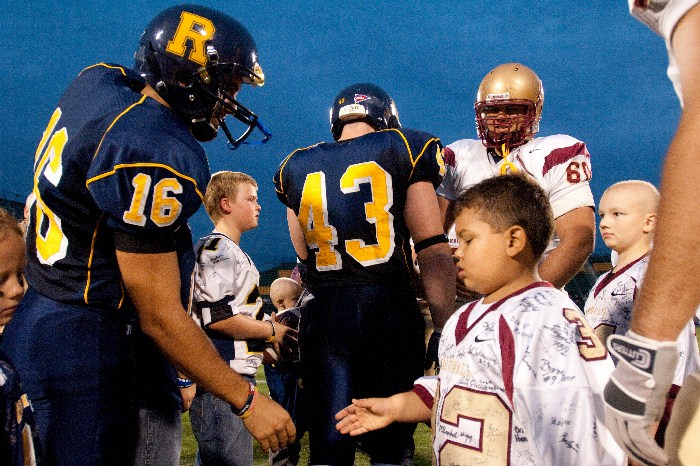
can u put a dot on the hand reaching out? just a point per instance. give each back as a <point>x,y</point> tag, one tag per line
<point>363,416</point>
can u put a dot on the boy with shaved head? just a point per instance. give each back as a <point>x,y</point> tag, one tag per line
<point>283,378</point>
<point>627,213</point>
<point>284,293</point>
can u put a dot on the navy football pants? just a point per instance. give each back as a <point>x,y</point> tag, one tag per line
<point>72,362</point>
<point>359,342</point>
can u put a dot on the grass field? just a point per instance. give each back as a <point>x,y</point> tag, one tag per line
<point>422,438</point>
<point>189,445</point>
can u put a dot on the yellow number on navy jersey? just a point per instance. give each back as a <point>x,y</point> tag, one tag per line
<point>52,244</point>
<point>440,161</point>
<point>164,208</point>
<point>376,212</point>
<point>319,234</point>
<point>313,216</point>
<point>142,184</point>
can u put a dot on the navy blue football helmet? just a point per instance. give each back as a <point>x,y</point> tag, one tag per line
<point>364,102</point>
<point>195,57</point>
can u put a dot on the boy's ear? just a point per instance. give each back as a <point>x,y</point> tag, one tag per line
<point>649,223</point>
<point>517,239</point>
<point>225,205</point>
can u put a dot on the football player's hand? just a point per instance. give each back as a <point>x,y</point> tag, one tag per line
<point>363,416</point>
<point>187,395</point>
<point>269,424</point>
<point>431,354</point>
<point>635,396</point>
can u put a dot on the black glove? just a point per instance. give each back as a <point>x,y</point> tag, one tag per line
<point>431,355</point>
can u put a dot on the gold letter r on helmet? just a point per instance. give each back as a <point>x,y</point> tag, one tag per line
<point>196,30</point>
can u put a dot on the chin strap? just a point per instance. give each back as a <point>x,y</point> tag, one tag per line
<point>508,166</point>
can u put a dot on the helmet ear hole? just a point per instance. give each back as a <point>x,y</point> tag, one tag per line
<point>161,88</point>
<point>183,78</point>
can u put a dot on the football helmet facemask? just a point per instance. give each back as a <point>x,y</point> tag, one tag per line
<point>196,59</point>
<point>508,106</point>
<point>363,102</point>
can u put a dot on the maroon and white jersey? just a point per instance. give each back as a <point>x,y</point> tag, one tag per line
<point>609,304</point>
<point>560,164</point>
<point>520,384</point>
<point>662,16</point>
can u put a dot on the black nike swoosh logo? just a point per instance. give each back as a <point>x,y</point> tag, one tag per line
<point>479,340</point>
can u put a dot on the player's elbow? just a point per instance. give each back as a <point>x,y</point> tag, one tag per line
<point>151,325</point>
<point>436,261</point>
<point>578,243</point>
<point>157,321</point>
<point>585,245</point>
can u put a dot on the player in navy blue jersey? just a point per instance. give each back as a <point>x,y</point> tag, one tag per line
<point>117,173</point>
<point>353,207</point>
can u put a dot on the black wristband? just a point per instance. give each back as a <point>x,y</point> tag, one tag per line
<point>427,242</point>
<point>248,403</point>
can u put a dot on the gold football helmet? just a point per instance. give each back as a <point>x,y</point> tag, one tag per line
<point>508,106</point>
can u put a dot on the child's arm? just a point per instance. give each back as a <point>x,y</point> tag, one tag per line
<point>242,327</point>
<point>370,414</point>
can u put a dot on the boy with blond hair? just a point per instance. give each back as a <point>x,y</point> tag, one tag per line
<point>226,302</point>
<point>627,213</point>
<point>520,369</point>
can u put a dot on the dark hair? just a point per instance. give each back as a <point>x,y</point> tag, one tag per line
<point>512,199</point>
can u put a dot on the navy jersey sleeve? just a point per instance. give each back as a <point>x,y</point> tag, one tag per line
<point>425,154</point>
<point>281,187</point>
<point>148,189</point>
<point>277,179</point>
